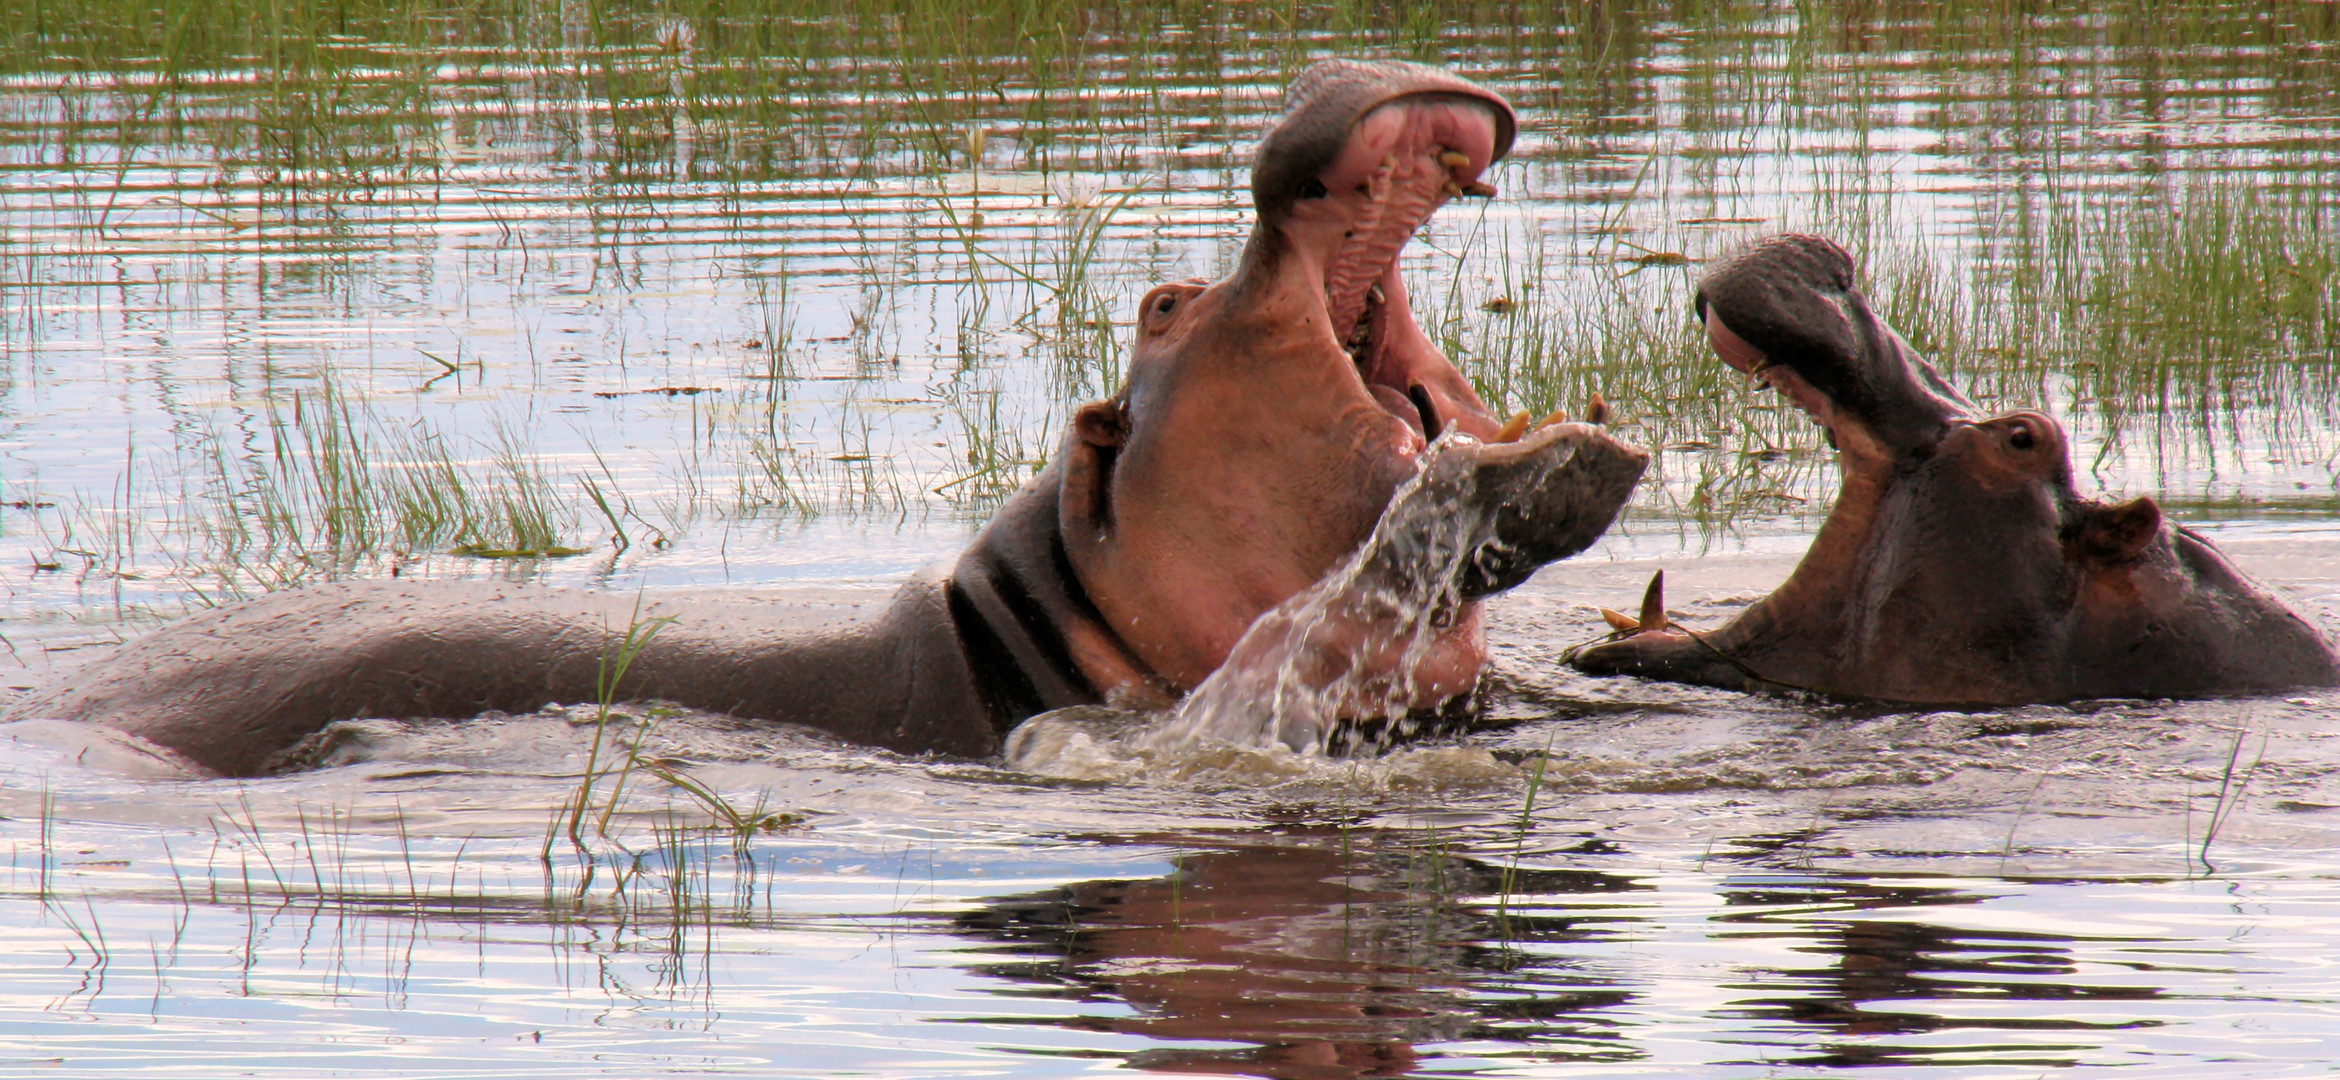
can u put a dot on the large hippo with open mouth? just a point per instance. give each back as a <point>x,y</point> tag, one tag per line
<point>1958,565</point>
<point>1267,421</point>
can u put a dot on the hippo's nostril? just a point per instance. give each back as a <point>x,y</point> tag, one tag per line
<point>1313,188</point>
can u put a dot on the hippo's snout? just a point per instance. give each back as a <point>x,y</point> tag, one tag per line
<point>1542,496</point>
<point>1787,310</point>
<point>1546,512</point>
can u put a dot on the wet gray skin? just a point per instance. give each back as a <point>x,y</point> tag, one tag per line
<point>1267,421</point>
<point>1958,564</point>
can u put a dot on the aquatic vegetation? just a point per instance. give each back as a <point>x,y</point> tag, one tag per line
<point>336,491</point>
<point>939,214</point>
<point>617,657</point>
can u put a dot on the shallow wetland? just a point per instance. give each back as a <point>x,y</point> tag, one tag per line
<point>756,296</point>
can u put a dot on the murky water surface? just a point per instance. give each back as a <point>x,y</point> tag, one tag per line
<point>729,299</point>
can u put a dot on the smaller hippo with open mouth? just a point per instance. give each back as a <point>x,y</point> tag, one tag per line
<point>1958,565</point>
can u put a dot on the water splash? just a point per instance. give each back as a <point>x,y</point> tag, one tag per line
<point>1099,744</point>
<point>1363,644</point>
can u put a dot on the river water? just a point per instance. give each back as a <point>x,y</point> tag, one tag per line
<point>776,301</point>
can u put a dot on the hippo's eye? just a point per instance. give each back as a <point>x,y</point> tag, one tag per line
<point>2020,437</point>
<point>1155,311</point>
<point>1313,188</point>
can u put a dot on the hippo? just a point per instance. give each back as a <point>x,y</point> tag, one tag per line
<point>1266,421</point>
<point>1958,564</point>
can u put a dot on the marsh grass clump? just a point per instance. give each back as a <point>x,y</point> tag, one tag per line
<point>2214,287</point>
<point>2197,314</point>
<point>584,816</point>
<point>1544,334</point>
<point>334,491</point>
<point>617,658</point>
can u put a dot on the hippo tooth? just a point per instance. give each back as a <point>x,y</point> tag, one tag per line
<point>1513,428</point>
<point>1619,621</point>
<point>1452,189</point>
<point>1653,605</point>
<point>1376,294</point>
<point>1478,189</point>
<point>1454,159</point>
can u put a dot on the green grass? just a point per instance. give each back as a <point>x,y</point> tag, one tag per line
<point>333,491</point>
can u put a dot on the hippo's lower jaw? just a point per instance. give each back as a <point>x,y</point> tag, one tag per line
<point>1368,648</point>
<point>1958,565</point>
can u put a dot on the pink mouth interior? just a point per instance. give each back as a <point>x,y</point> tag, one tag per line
<point>1735,351</point>
<point>1397,169</point>
<point>1392,161</point>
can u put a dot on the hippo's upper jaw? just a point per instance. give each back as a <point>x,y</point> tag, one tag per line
<point>1786,310</point>
<point>1364,154</point>
<point>1958,563</point>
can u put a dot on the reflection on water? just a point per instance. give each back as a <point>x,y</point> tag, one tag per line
<point>1338,955</point>
<point>1328,953</point>
<point>1302,950</point>
<point>735,294</point>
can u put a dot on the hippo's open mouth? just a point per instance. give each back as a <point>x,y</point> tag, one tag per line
<point>1405,161</point>
<point>1785,310</point>
<point>1349,198</point>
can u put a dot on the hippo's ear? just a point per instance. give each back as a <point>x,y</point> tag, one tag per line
<point>1098,430</point>
<point>2117,534</point>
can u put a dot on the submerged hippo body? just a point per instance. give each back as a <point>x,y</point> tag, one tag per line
<point>1958,564</point>
<point>1267,421</point>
